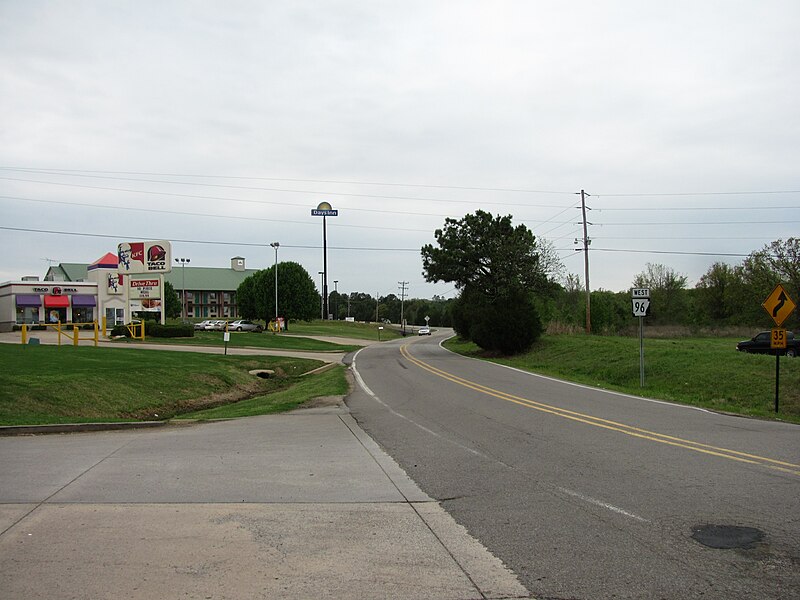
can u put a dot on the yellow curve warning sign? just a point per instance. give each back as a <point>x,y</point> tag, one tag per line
<point>779,305</point>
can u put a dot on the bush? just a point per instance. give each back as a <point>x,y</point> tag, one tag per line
<point>508,324</point>
<point>157,330</point>
<point>120,331</point>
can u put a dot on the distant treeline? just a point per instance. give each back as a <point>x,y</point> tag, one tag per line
<point>726,296</point>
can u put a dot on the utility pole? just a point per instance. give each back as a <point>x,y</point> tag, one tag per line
<point>377,306</point>
<point>403,285</point>
<point>586,242</point>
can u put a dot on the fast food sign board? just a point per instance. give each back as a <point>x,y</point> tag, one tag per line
<point>145,288</point>
<point>145,295</point>
<point>145,257</point>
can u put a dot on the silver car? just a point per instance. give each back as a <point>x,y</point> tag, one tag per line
<point>217,325</point>
<point>245,325</point>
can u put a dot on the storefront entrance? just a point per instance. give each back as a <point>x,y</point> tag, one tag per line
<point>115,316</point>
<point>55,308</point>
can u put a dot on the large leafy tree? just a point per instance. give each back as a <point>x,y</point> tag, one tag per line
<point>298,298</point>
<point>486,253</point>
<point>172,301</point>
<point>497,268</point>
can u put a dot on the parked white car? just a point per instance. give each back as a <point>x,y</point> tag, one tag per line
<point>245,325</point>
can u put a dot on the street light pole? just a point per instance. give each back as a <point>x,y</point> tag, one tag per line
<point>276,245</point>
<point>336,291</point>
<point>322,297</point>
<point>182,262</point>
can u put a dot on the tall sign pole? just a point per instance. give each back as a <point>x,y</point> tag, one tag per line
<point>779,306</point>
<point>324,210</point>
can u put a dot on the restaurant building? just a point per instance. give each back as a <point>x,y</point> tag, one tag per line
<point>81,293</point>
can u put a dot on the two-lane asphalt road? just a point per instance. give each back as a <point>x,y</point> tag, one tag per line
<point>589,494</point>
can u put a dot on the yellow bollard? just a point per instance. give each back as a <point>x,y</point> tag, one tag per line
<point>58,328</point>
<point>105,326</point>
<point>96,334</point>
<point>24,334</point>
<point>75,335</point>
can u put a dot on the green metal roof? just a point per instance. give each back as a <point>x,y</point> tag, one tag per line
<point>69,272</point>
<point>197,278</point>
<point>207,278</point>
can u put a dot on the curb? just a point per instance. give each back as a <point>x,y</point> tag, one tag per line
<point>8,430</point>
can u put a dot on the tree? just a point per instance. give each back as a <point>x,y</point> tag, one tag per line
<point>298,298</point>
<point>777,262</point>
<point>172,302</point>
<point>714,294</point>
<point>484,252</point>
<point>668,301</point>
<point>496,267</point>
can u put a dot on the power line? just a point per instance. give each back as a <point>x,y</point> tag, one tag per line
<point>315,247</point>
<point>196,214</point>
<point>228,199</point>
<point>676,194</point>
<point>682,208</point>
<point>95,172</point>
<point>208,242</point>
<point>675,252</point>
<point>298,180</point>
<point>748,222</point>
<point>288,191</point>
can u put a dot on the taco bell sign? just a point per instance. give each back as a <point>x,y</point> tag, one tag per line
<point>145,257</point>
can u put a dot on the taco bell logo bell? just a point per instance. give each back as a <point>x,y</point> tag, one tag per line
<point>144,257</point>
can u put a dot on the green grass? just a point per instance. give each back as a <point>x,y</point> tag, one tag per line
<point>328,383</point>
<point>245,339</point>
<point>359,331</point>
<point>48,384</point>
<point>706,372</point>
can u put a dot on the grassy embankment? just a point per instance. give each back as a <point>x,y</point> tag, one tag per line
<point>48,384</point>
<point>292,340</point>
<point>706,372</point>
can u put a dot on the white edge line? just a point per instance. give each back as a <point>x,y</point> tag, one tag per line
<point>397,414</point>
<point>566,491</point>
<point>601,504</point>
<point>579,385</point>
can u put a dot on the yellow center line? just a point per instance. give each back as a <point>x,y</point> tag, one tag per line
<point>630,430</point>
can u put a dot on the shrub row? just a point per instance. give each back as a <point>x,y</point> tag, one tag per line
<point>157,330</point>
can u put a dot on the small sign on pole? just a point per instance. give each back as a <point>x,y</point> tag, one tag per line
<point>778,306</point>
<point>640,303</point>
<point>778,339</point>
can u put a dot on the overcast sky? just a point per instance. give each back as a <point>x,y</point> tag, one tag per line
<point>220,125</point>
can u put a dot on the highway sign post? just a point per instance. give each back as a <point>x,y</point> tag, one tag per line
<point>778,306</point>
<point>640,303</point>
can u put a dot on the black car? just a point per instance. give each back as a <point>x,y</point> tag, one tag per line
<point>760,344</point>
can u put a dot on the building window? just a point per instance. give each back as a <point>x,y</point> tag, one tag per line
<point>27,314</point>
<point>82,315</point>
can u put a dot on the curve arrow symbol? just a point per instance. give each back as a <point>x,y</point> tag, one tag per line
<point>779,305</point>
